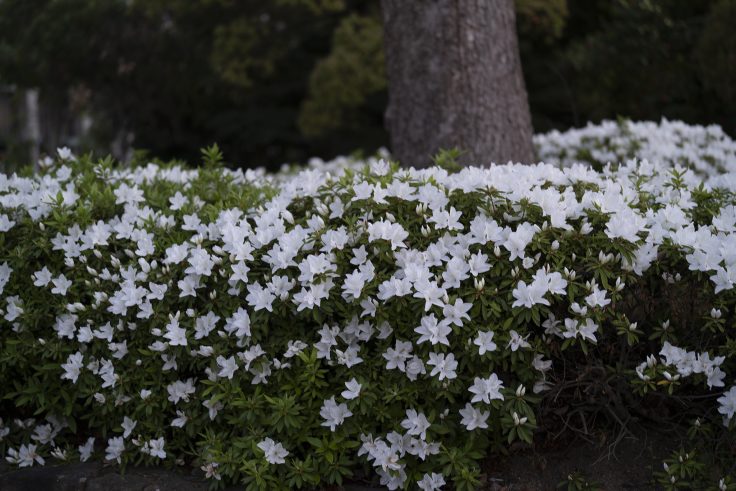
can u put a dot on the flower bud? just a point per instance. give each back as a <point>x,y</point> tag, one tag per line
<point>620,285</point>
<point>288,217</point>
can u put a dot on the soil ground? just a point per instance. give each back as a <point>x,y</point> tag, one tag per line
<point>626,466</point>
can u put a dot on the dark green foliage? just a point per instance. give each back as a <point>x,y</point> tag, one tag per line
<point>280,81</point>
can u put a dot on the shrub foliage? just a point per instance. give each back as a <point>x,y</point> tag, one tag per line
<point>350,318</point>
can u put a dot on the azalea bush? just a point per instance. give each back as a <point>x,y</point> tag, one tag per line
<point>706,150</point>
<point>354,319</point>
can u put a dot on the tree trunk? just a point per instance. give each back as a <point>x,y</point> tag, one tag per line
<point>455,80</point>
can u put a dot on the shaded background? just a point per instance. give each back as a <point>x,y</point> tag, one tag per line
<point>283,80</point>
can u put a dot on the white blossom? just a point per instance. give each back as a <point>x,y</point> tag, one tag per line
<point>274,452</point>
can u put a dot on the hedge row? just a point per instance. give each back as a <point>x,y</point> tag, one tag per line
<point>352,318</point>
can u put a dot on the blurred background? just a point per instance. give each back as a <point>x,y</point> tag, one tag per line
<point>282,80</point>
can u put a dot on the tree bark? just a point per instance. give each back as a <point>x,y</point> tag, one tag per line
<point>455,80</point>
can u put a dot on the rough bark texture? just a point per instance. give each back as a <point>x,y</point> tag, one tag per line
<point>455,80</point>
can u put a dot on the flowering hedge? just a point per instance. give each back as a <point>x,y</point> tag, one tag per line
<point>706,150</point>
<point>350,318</point>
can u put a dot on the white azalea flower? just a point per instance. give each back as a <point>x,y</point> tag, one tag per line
<point>334,414</point>
<point>352,389</point>
<point>484,342</point>
<point>486,390</point>
<point>431,482</point>
<point>444,365</point>
<point>473,418</point>
<point>115,448</point>
<point>275,453</point>
<point>128,426</point>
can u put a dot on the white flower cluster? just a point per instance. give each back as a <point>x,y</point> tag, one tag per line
<point>685,363</point>
<point>689,362</point>
<point>386,454</point>
<point>706,149</point>
<point>156,295</point>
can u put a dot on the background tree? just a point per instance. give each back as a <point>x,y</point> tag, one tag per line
<point>455,80</point>
<point>281,81</point>
<point>176,75</point>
